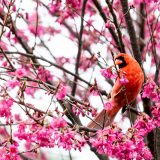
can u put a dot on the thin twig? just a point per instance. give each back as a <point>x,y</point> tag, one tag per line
<point>122,48</point>
<point>13,69</point>
<point>79,48</point>
<point>50,62</point>
<point>112,32</point>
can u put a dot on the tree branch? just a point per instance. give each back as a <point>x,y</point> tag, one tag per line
<point>48,61</point>
<point>112,32</point>
<point>14,29</point>
<point>141,26</point>
<point>131,31</point>
<point>79,48</point>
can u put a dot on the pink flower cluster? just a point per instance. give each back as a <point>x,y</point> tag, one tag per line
<point>3,45</point>
<point>56,132</point>
<point>155,110</point>
<point>109,25</point>
<point>113,142</point>
<point>68,141</point>
<point>87,62</point>
<point>107,73</point>
<point>44,74</point>
<point>84,110</point>
<point>146,1</point>
<point>61,61</point>
<point>54,6</point>
<point>65,137</point>
<point>20,72</point>
<point>123,80</point>
<point>94,90</point>
<point>61,91</point>
<point>12,83</point>
<point>5,107</point>
<point>9,153</point>
<point>108,106</point>
<point>74,3</point>
<point>31,90</point>
<point>58,123</point>
<point>151,91</point>
<point>40,135</point>
<point>144,124</point>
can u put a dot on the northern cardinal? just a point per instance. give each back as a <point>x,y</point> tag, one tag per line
<point>121,94</point>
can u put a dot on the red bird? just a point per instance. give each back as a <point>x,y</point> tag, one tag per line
<point>121,94</point>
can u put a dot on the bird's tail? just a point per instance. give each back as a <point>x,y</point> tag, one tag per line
<point>104,118</point>
<point>101,120</point>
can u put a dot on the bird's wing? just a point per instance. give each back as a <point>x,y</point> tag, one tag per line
<point>117,89</point>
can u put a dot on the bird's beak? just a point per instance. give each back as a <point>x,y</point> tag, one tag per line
<point>118,61</point>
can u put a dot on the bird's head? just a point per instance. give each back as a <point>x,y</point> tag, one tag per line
<point>122,60</point>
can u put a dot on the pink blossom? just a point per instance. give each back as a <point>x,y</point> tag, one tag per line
<point>1,8</point>
<point>22,34</point>
<point>84,109</point>
<point>144,124</point>
<point>107,73</point>
<point>44,138</point>
<point>109,25</point>
<point>87,62</point>
<point>3,45</point>
<point>9,102</point>
<point>21,132</point>
<point>150,1</point>
<point>5,64</point>
<point>12,83</point>
<point>54,6</point>
<point>78,109</point>
<point>20,72</point>
<point>8,35</point>
<point>44,75</point>
<point>74,3</point>
<point>156,113</point>
<point>94,112</point>
<point>68,140</point>
<point>55,133</point>
<point>113,142</point>
<point>151,91</point>
<point>94,90</point>
<point>38,31</point>
<point>61,92</point>
<point>9,153</point>
<point>62,60</point>
<point>31,90</point>
<point>13,149</point>
<point>123,80</point>
<point>108,106</point>
<point>58,123</point>
<point>5,107</point>
<point>17,117</point>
